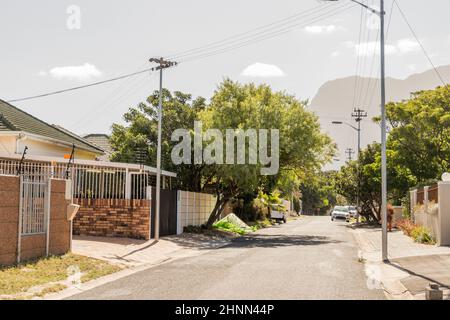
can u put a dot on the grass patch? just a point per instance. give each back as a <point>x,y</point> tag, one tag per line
<point>52,289</point>
<point>20,279</point>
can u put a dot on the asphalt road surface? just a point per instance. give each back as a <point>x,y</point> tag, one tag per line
<point>310,258</point>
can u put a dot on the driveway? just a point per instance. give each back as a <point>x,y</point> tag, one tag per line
<point>310,258</point>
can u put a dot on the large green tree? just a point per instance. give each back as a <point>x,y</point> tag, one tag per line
<point>399,180</point>
<point>136,141</point>
<point>420,135</point>
<point>303,149</point>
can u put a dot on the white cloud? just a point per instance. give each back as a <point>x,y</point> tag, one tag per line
<point>407,45</point>
<point>412,67</point>
<point>335,54</point>
<point>401,47</point>
<point>262,70</point>
<point>43,73</point>
<point>83,72</point>
<point>322,29</point>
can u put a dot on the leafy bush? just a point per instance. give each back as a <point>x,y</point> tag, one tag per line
<point>228,226</point>
<point>297,205</point>
<point>406,226</point>
<point>419,233</point>
<point>422,235</point>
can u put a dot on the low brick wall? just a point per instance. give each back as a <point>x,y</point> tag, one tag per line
<point>9,219</point>
<point>113,218</point>
<point>32,246</point>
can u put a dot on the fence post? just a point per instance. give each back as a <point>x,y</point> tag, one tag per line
<point>425,199</point>
<point>47,197</point>
<point>179,225</point>
<point>149,198</point>
<point>413,203</point>
<point>443,234</point>
<point>19,231</point>
<point>127,184</point>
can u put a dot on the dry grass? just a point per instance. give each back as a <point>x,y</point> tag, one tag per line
<point>52,274</point>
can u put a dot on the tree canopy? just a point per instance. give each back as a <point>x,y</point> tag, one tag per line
<point>303,148</point>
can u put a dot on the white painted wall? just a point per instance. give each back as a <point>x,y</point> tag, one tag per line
<point>41,148</point>
<point>194,209</point>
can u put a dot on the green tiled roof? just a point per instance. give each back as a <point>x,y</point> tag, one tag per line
<point>14,119</point>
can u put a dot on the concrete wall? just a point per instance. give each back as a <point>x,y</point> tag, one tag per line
<point>444,214</point>
<point>194,209</point>
<point>434,216</point>
<point>32,246</point>
<point>113,218</point>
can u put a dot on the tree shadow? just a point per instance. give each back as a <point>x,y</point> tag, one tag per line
<point>277,240</point>
<point>424,279</point>
<point>366,226</point>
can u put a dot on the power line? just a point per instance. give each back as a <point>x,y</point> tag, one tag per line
<point>365,54</point>
<point>194,57</point>
<point>241,35</point>
<point>358,56</point>
<point>267,36</point>
<point>82,87</point>
<point>420,43</point>
<point>388,28</point>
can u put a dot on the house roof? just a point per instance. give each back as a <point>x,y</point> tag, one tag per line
<point>101,140</point>
<point>14,119</point>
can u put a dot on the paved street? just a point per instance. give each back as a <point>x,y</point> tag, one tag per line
<point>310,258</point>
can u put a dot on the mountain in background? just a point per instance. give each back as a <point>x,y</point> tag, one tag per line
<point>335,100</point>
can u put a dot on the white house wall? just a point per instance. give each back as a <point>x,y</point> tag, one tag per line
<point>194,209</point>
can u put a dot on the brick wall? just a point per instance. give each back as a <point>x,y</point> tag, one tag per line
<point>113,218</point>
<point>59,225</point>
<point>9,218</point>
<point>32,246</point>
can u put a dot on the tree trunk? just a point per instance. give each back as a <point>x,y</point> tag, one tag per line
<point>217,211</point>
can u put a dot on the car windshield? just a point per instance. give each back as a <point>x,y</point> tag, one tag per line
<point>343,209</point>
<point>352,208</point>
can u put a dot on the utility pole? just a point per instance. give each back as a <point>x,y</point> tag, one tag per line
<point>349,152</point>
<point>162,64</point>
<point>358,115</point>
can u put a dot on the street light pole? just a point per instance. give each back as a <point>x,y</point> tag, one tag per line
<point>384,240</point>
<point>163,64</point>
<point>384,237</point>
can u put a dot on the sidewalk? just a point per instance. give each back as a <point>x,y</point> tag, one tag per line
<point>412,266</point>
<point>134,253</point>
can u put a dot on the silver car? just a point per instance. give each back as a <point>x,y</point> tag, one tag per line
<point>340,212</point>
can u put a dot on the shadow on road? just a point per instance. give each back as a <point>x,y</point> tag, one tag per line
<point>272,241</point>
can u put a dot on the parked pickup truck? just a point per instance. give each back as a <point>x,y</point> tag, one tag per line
<point>277,212</point>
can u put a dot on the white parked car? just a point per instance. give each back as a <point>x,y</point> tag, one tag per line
<point>353,211</point>
<point>340,212</point>
<point>277,213</point>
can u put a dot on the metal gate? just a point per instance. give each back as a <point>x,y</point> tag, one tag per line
<point>34,208</point>
<point>167,213</point>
